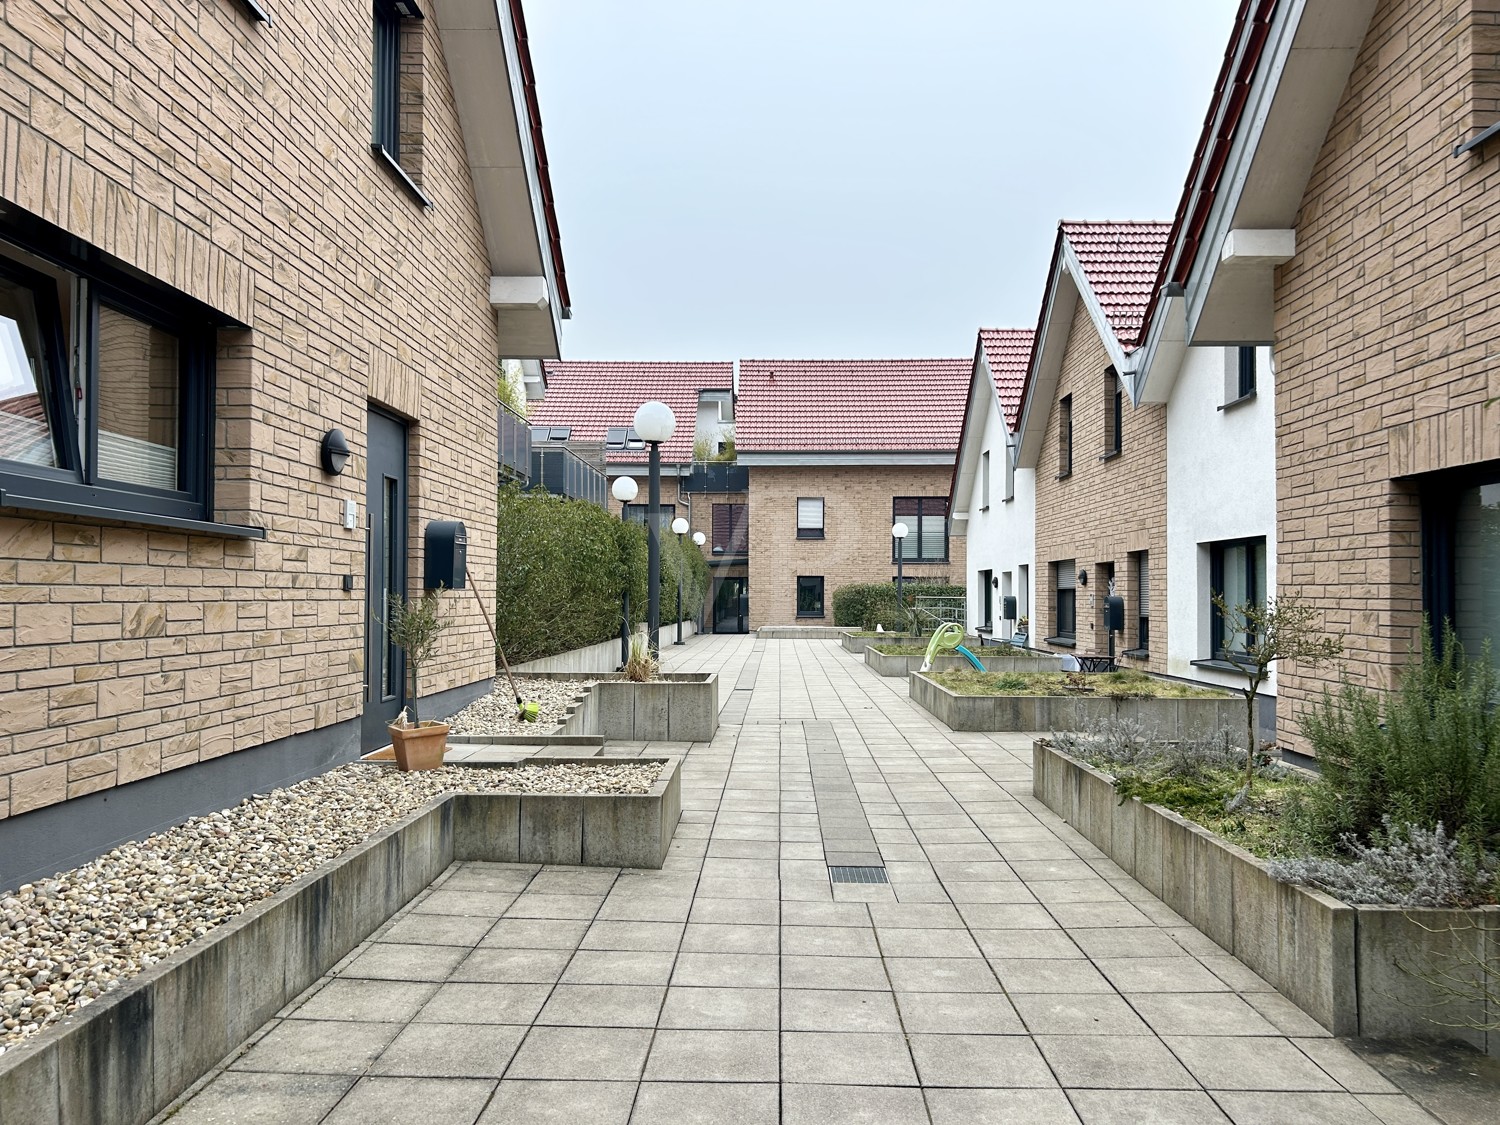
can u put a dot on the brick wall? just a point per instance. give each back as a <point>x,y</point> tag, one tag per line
<point>1387,322</point>
<point>856,546</point>
<point>1104,510</point>
<point>231,160</point>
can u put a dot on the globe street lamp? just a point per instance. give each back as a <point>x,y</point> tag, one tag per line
<point>898,533</point>
<point>680,526</point>
<point>654,423</point>
<point>624,490</point>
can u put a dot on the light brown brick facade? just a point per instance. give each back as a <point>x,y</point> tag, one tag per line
<point>856,547</point>
<point>231,161</point>
<point>1387,324</point>
<point>1104,510</point>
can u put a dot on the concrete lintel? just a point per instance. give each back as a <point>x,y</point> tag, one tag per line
<point>1258,247</point>
<point>519,293</point>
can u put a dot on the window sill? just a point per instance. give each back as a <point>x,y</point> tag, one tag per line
<point>1232,403</point>
<point>1061,642</point>
<point>1137,653</point>
<point>9,499</point>
<point>1009,498</point>
<point>257,13</point>
<point>809,535</point>
<point>811,616</point>
<point>1218,666</point>
<point>1063,476</point>
<point>393,166</point>
<point>1111,455</point>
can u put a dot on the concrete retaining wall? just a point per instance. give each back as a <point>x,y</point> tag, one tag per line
<point>602,657</point>
<point>127,1056</point>
<point>1357,970</point>
<point>883,664</point>
<point>1169,718</point>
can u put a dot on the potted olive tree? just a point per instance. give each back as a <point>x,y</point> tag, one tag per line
<point>415,625</point>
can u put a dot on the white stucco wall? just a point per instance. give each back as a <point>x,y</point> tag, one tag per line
<point>1221,484</point>
<point>1001,539</point>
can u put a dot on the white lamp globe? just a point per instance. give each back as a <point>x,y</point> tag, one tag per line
<point>898,530</point>
<point>654,421</point>
<point>624,489</point>
<point>699,538</point>
<point>680,526</point>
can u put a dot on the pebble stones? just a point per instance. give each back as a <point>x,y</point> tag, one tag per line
<point>496,713</point>
<point>68,940</point>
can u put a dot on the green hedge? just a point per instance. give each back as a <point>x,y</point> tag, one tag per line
<point>863,605</point>
<point>563,566</point>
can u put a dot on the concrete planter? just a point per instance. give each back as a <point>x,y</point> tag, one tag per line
<point>678,707</point>
<point>858,645</point>
<point>885,665</point>
<point>125,1058</point>
<point>1354,969</point>
<point>801,632</point>
<point>1170,718</point>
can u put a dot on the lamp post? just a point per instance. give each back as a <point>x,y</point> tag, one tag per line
<point>624,490</point>
<point>680,526</point>
<point>698,540</point>
<point>654,422</point>
<point>898,533</point>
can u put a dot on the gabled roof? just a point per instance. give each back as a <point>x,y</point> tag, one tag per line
<point>1108,268</point>
<point>591,396</point>
<point>1120,261</point>
<point>850,405</point>
<point>1007,353</point>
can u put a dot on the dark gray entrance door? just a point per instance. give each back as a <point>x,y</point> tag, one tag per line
<point>385,574</point>
<point>732,606</point>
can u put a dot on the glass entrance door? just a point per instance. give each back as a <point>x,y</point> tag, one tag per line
<point>732,606</point>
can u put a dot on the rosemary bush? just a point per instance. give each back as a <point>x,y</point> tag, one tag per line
<point>1425,754</point>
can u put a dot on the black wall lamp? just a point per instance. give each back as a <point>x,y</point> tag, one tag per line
<point>334,452</point>
<point>1083,578</point>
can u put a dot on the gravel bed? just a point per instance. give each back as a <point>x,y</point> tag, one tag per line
<point>496,713</point>
<point>68,940</point>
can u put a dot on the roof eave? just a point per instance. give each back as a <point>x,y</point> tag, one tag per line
<point>489,65</point>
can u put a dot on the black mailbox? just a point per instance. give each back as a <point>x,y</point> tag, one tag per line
<point>447,555</point>
<point>1008,608</point>
<point>1114,613</point>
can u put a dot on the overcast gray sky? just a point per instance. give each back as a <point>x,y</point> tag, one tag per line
<point>850,178</point>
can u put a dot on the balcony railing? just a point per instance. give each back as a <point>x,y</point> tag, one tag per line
<point>717,476</point>
<point>563,473</point>
<point>515,445</point>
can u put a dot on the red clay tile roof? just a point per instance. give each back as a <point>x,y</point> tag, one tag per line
<point>593,395</point>
<point>1121,262</point>
<point>841,405</point>
<point>1008,353</point>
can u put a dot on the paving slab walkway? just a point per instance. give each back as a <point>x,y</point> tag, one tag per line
<point>1007,972</point>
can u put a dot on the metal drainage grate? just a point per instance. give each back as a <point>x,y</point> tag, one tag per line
<point>857,874</point>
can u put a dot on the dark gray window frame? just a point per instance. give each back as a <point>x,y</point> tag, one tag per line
<point>76,489</point>
<point>388,17</point>
<point>818,578</point>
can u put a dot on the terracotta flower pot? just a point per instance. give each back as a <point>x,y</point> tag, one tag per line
<point>420,746</point>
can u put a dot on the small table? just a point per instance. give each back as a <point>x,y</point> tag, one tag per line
<point>1096,663</point>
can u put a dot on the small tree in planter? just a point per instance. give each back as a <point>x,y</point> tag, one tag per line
<point>1285,628</point>
<point>415,624</point>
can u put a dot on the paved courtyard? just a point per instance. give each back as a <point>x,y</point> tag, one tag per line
<point>1009,971</point>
